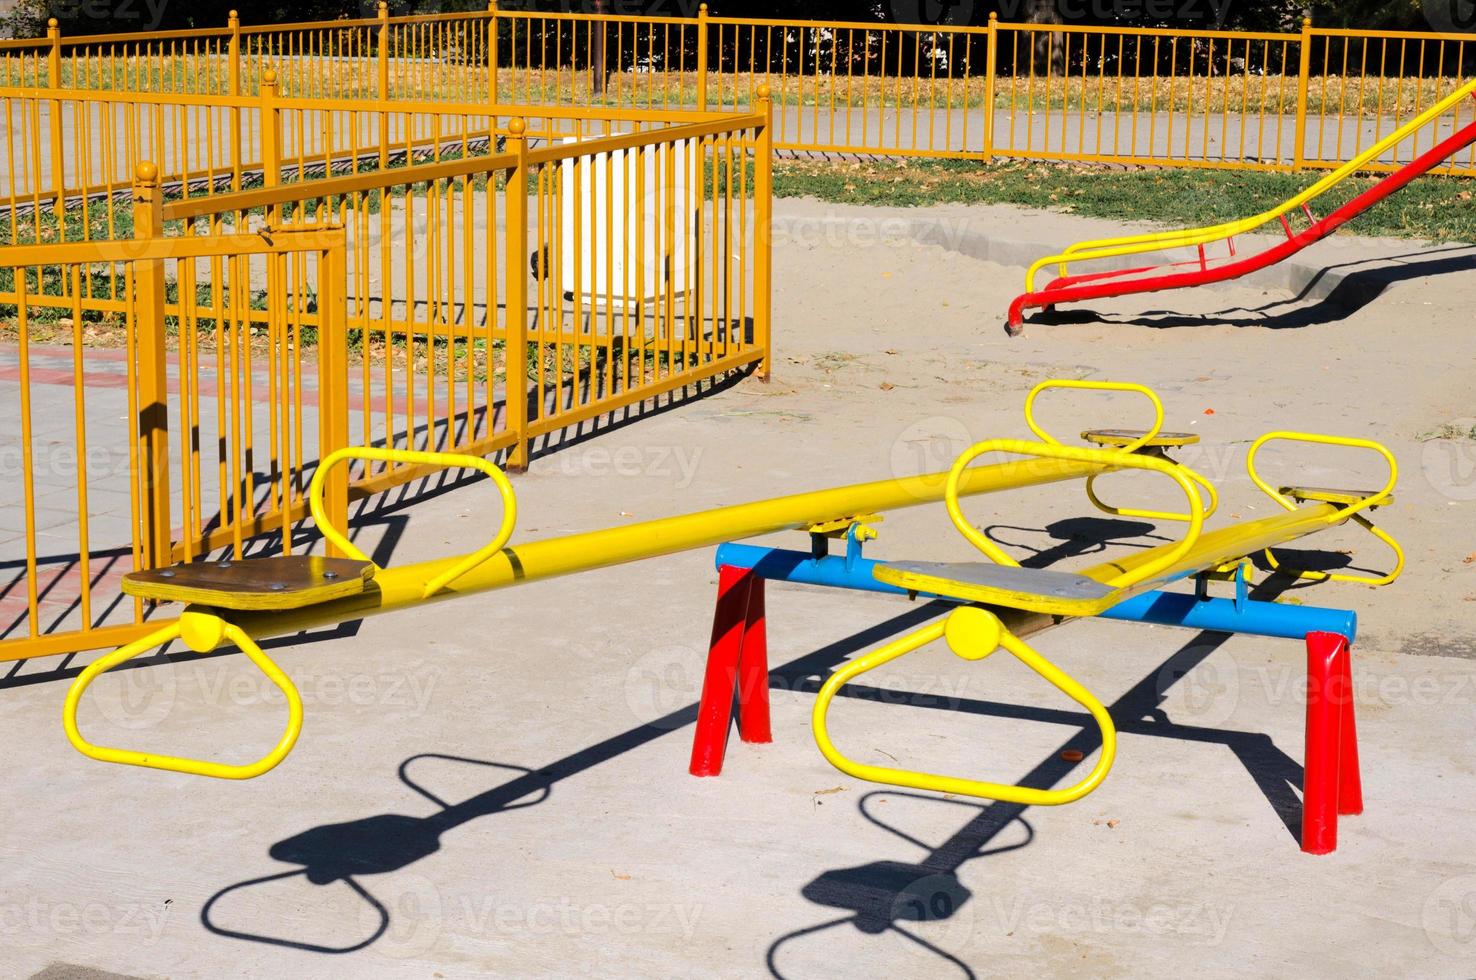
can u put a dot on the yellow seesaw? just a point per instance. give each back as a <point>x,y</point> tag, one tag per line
<point>240,602</point>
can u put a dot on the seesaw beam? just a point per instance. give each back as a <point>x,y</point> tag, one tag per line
<point>402,587</point>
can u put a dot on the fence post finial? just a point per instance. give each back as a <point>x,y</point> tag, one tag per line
<point>1304,79</point>
<point>702,44</point>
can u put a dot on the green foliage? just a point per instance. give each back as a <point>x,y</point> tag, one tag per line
<point>1433,207</point>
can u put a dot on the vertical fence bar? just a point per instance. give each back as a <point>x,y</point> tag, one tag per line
<point>702,29</point>
<point>991,64</point>
<point>53,82</point>
<point>234,57</point>
<point>382,91</point>
<point>332,381</point>
<point>1304,78</point>
<point>492,61</point>
<point>152,376</point>
<point>515,353</point>
<point>763,218</point>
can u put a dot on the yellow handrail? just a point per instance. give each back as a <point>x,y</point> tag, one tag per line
<point>442,578</point>
<point>201,632</point>
<point>1112,457</point>
<point>973,634</point>
<point>1133,244</point>
<point>1045,386</point>
<point>1353,511</point>
<point>1157,515</point>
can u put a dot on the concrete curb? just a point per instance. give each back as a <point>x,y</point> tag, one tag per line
<point>1346,280</point>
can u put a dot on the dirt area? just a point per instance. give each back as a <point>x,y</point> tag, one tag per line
<point>499,786</point>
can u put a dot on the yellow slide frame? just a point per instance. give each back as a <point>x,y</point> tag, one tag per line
<point>1103,248</point>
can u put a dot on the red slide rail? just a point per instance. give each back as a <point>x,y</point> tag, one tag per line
<point>1152,279</point>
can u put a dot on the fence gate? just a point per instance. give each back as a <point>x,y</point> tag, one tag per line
<point>167,408</point>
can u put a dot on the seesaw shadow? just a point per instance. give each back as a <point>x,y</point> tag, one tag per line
<point>385,843</point>
<point>881,894</point>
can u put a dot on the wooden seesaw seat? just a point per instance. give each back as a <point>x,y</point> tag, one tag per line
<point>283,582</point>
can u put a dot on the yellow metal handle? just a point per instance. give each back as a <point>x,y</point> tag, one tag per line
<point>972,633</point>
<point>201,632</point>
<point>446,460</point>
<point>1373,500</point>
<point>1156,515</point>
<point>1352,511</point>
<point>1112,457</point>
<point>1374,580</point>
<point>1045,386</point>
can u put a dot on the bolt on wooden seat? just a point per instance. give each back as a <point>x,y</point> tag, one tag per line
<point>283,582</point>
<point>1117,438</point>
<point>1327,495</point>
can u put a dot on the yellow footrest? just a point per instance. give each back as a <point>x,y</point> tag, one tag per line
<point>1326,495</point>
<point>1117,438</point>
<point>284,582</point>
<point>1032,589</point>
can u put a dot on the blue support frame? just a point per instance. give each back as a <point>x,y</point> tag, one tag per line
<point>1239,615</point>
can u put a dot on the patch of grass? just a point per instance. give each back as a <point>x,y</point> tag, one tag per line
<point>1450,431</point>
<point>1433,207</point>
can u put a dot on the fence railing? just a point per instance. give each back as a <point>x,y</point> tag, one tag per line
<point>1267,101</point>
<point>484,302</point>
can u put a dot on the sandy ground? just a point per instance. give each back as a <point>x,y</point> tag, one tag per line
<point>499,786</point>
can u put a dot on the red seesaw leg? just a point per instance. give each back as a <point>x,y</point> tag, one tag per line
<point>1350,778</point>
<point>738,648</point>
<point>1330,782</point>
<point>753,671</point>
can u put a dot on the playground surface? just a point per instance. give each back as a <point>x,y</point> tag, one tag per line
<point>499,786</point>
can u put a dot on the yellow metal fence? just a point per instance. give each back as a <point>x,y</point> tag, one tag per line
<point>574,264</point>
<point>1269,101</point>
